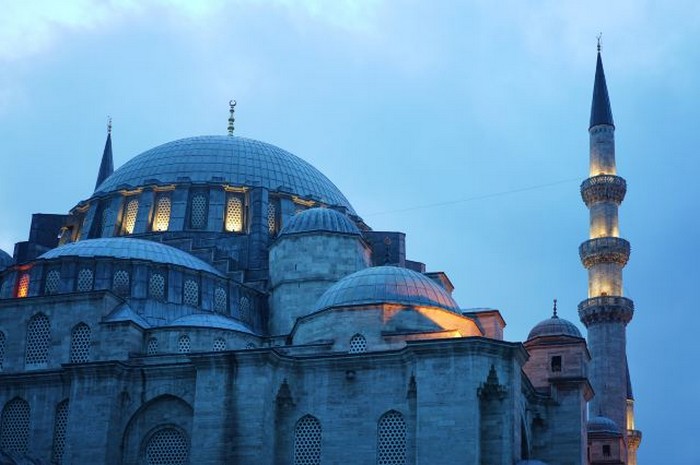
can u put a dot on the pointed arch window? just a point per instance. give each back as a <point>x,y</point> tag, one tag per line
<point>244,309</point>
<point>391,439</point>
<point>167,446</point>
<point>273,216</point>
<point>184,345</point>
<point>156,286</point>
<point>234,214</point>
<point>198,211</point>
<point>106,222</point>
<point>152,346</point>
<point>22,286</point>
<point>37,340</point>
<point>52,281</point>
<point>14,427</point>
<point>80,342</point>
<point>59,432</point>
<point>85,280</point>
<point>307,441</point>
<point>131,209</point>
<point>190,293</point>
<point>358,344</point>
<point>219,345</point>
<point>161,215</point>
<point>120,282</point>
<point>220,300</point>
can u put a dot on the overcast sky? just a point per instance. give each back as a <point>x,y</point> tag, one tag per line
<point>463,124</point>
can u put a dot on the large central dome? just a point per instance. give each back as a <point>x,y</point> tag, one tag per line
<point>226,159</point>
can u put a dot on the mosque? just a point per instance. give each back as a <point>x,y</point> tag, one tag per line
<point>217,300</point>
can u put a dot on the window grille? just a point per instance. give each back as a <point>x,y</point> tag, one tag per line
<point>219,345</point>
<point>120,282</point>
<point>167,446</point>
<point>23,285</point>
<point>53,279</point>
<point>2,349</point>
<point>198,211</point>
<point>80,341</point>
<point>85,280</point>
<point>220,300</point>
<point>234,214</point>
<point>14,427</point>
<point>271,217</point>
<point>156,286</point>
<point>106,220</point>
<point>161,217</point>
<point>358,344</point>
<point>152,346</point>
<point>307,441</point>
<point>129,220</point>
<point>38,339</point>
<point>191,293</point>
<point>184,345</point>
<point>59,432</point>
<point>244,309</point>
<point>391,439</point>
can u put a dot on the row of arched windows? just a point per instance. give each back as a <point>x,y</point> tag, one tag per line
<point>15,426</point>
<point>391,440</point>
<point>184,345</point>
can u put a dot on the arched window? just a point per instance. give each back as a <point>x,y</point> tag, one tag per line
<point>198,211</point>
<point>220,300</point>
<point>161,215</point>
<point>80,341</point>
<point>272,217</point>
<point>14,427</point>
<point>244,309</point>
<point>358,344</point>
<point>53,279</point>
<point>85,280</point>
<point>167,446</point>
<point>234,214</point>
<point>152,346</point>
<point>129,218</point>
<point>307,441</point>
<point>106,222</point>
<point>156,286</point>
<point>59,432</point>
<point>120,282</point>
<point>38,339</point>
<point>23,285</point>
<point>2,349</point>
<point>219,345</point>
<point>190,293</point>
<point>184,345</point>
<point>391,439</point>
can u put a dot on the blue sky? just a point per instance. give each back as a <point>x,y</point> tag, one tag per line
<point>463,124</point>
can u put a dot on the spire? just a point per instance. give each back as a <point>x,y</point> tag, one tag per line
<point>600,107</point>
<point>107,165</point>
<point>231,119</point>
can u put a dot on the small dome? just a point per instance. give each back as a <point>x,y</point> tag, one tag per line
<point>228,159</point>
<point>211,320</point>
<point>5,260</point>
<point>600,424</point>
<point>386,284</point>
<point>320,220</point>
<point>125,248</point>
<point>554,326</point>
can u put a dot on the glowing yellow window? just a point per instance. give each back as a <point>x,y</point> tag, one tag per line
<point>23,285</point>
<point>129,221</point>
<point>234,214</point>
<point>161,217</point>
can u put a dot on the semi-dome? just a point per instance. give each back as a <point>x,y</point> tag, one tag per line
<point>126,248</point>
<point>386,284</point>
<point>226,159</point>
<point>5,259</point>
<point>600,424</point>
<point>320,220</point>
<point>211,320</point>
<point>554,326</point>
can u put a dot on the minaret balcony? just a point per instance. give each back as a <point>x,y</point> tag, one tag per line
<point>603,188</point>
<point>604,250</point>
<point>604,309</point>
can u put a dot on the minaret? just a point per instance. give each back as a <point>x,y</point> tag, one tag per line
<point>606,312</point>
<point>107,164</point>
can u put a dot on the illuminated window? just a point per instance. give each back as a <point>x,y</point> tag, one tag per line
<point>391,439</point>
<point>38,340</point>
<point>80,341</point>
<point>184,345</point>
<point>85,280</point>
<point>190,293</point>
<point>152,346</point>
<point>2,349</point>
<point>244,309</point>
<point>14,427</point>
<point>556,363</point>
<point>272,217</point>
<point>358,344</point>
<point>59,432</point>
<point>167,446</point>
<point>220,300</point>
<point>23,285</point>
<point>307,441</point>
<point>53,279</point>
<point>156,286</point>
<point>198,211</point>
<point>161,216</point>
<point>219,345</point>
<point>129,219</point>
<point>234,214</point>
<point>120,282</point>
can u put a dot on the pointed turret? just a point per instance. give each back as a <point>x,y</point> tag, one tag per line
<point>107,164</point>
<point>600,107</point>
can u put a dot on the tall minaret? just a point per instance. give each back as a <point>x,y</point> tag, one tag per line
<point>606,312</point>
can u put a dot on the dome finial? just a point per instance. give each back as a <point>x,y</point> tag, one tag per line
<point>231,119</point>
<point>109,124</point>
<point>554,310</point>
<point>599,36</point>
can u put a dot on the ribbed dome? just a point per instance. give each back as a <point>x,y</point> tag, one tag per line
<point>5,259</point>
<point>320,219</point>
<point>600,424</point>
<point>125,248</point>
<point>226,159</point>
<point>211,320</point>
<point>554,326</point>
<point>386,284</point>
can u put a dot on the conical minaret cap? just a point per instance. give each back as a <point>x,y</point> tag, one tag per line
<point>600,107</point>
<point>107,163</point>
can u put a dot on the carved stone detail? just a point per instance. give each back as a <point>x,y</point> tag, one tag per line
<point>492,389</point>
<point>604,250</point>
<point>606,309</point>
<point>603,188</point>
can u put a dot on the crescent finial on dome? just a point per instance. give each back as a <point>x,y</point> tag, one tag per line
<point>231,119</point>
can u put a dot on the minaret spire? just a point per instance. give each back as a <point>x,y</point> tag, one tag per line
<point>231,119</point>
<point>107,164</point>
<point>601,113</point>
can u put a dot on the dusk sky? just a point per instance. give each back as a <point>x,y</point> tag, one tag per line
<point>462,124</point>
